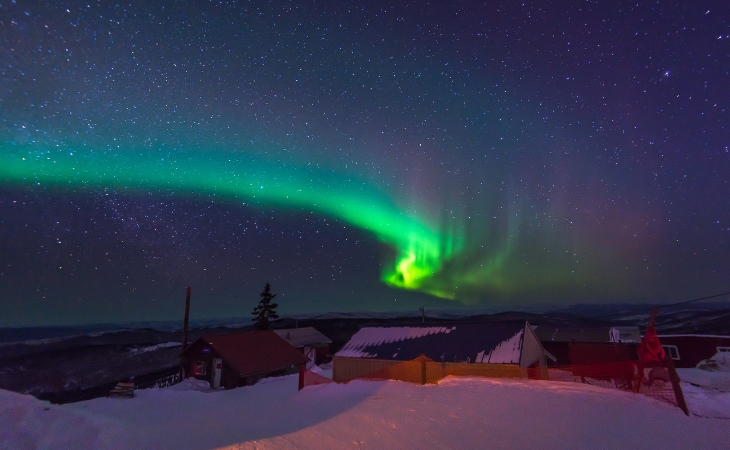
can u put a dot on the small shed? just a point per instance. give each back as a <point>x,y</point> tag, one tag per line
<point>313,344</point>
<point>687,350</point>
<point>373,348</point>
<point>590,345</point>
<point>240,359</point>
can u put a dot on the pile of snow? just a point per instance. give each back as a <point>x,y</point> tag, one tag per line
<point>26,422</point>
<point>718,363</point>
<point>713,373</point>
<point>323,369</point>
<point>708,380</point>
<point>189,384</point>
<point>457,413</point>
<point>704,402</point>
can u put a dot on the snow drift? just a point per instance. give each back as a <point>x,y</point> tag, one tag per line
<point>456,413</point>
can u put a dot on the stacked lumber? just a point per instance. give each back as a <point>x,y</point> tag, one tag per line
<point>122,390</point>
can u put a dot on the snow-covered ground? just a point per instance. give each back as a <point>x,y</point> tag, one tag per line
<point>456,413</point>
<point>709,380</point>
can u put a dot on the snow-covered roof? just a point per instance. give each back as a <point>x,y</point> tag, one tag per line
<point>467,342</point>
<point>252,352</point>
<point>299,337</point>
<point>376,336</point>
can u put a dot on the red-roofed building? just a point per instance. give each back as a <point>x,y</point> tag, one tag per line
<point>240,359</point>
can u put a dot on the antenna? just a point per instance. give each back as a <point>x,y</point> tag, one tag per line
<point>423,314</point>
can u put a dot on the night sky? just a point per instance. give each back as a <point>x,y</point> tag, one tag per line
<point>359,156</point>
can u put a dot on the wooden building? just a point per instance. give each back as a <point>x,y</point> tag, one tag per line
<point>240,359</point>
<point>499,343</point>
<point>593,345</point>
<point>313,344</point>
<point>687,350</point>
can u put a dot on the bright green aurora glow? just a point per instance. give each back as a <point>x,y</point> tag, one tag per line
<point>422,249</point>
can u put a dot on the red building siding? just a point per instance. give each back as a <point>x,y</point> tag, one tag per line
<point>693,348</point>
<point>584,353</point>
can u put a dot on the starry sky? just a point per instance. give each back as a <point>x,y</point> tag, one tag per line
<point>359,156</point>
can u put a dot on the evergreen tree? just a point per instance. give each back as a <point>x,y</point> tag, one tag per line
<point>265,310</point>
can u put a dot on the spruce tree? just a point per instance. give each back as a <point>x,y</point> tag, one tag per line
<point>265,310</point>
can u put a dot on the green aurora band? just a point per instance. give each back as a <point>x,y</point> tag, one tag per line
<point>422,249</point>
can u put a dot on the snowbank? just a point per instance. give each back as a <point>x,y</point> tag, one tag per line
<point>713,373</point>
<point>456,413</point>
<point>718,363</point>
<point>706,379</point>
<point>28,423</point>
<point>710,403</point>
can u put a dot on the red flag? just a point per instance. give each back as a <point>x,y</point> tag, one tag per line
<point>651,349</point>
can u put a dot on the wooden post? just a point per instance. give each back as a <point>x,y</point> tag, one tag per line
<point>674,377</point>
<point>652,318</point>
<point>187,316</point>
<point>185,335</point>
<point>301,377</point>
<point>423,369</point>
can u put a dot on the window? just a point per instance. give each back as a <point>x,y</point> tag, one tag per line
<point>723,349</point>
<point>672,351</point>
<point>199,367</point>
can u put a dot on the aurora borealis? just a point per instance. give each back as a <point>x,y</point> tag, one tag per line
<point>421,250</point>
<point>359,156</point>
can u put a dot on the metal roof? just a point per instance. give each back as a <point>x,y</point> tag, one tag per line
<point>299,337</point>
<point>255,352</point>
<point>499,342</point>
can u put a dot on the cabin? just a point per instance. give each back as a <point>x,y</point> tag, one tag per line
<point>500,343</point>
<point>687,350</point>
<point>240,359</point>
<point>587,346</point>
<point>313,344</point>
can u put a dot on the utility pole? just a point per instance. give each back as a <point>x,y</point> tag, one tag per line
<point>187,316</point>
<point>423,314</point>
<point>183,359</point>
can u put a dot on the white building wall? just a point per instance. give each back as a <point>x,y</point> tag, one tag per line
<point>532,350</point>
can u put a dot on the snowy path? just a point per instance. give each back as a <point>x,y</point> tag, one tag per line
<point>458,413</point>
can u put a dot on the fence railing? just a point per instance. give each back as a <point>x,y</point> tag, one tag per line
<point>653,380</point>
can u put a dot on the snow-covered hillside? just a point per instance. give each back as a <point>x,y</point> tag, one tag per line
<point>456,413</point>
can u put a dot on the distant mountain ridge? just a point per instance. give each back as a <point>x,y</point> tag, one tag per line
<point>694,317</point>
<point>74,363</point>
